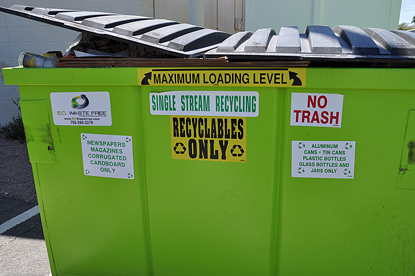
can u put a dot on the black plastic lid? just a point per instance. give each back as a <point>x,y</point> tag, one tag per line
<point>320,43</point>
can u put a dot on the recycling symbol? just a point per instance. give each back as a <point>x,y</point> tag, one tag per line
<point>301,170</point>
<point>179,148</point>
<point>347,172</point>
<point>237,151</point>
<point>348,146</point>
<point>301,145</point>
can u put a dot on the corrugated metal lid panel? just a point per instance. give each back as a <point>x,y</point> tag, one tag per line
<point>319,42</point>
<point>166,36</point>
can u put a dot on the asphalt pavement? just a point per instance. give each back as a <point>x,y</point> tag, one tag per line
<point>22,244</point>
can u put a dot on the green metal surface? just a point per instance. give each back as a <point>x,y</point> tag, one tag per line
<point>406,178</point>
<point>187,217</point>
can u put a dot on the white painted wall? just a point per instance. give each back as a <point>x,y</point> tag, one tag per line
<point>197,12</point>
<point>225,15</point>
<point>18,34</point>
<point>361,13</point>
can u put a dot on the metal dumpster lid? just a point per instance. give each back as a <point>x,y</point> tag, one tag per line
<point>341,43</point>
<point>166,36</point>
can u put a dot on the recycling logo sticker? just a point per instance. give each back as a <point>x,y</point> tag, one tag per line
<point>81,108</point>
<point>323,159</point>
<point>347,172</point>
<point>237,151</point>
<point>179,148</point>
<point>301,170</point>
<point>208,138</point>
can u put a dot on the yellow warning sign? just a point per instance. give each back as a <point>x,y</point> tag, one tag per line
<point>208,138</point>
<point>253,77</point>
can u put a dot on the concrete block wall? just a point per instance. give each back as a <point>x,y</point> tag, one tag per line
<point>18,34</point>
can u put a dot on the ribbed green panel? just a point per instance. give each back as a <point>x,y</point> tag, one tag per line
<point>189,217</point>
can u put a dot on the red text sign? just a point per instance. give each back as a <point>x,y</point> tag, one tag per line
<point>321,110</point>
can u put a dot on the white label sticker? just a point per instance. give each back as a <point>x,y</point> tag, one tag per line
<point>107,155</point>
<point>323,159</point>
<point>205,103</point>
<point>320,110</point>
<point>81,108</point>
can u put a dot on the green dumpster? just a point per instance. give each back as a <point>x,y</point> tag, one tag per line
<point>249,169</point>
<point>171,213</point>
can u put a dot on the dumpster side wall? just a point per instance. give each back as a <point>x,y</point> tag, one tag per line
<point>199,217</point>
<point>361,225</point>
<point>96,226</point>
<point>219,216</point>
